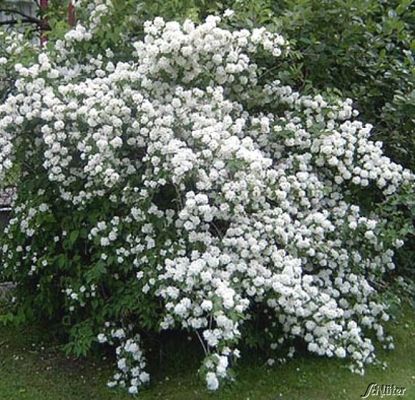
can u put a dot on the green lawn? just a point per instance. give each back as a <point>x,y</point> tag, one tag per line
<point>29,373</point>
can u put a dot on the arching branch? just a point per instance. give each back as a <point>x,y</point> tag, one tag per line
<point>17,21</point>
<point>27,18</point>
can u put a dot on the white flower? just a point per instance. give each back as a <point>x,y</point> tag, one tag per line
<point>206,305</point>
<point>340,352</point>
<point>101,338</point>
<point>212,381</point>
<point>228,13</point>
<point>133,390</point>
<point>104,242</point>
<point>144,377</point>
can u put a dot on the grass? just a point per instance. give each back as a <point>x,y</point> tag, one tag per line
<point>32,370</point>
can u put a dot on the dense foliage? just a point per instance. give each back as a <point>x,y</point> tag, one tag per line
<point>169,180</point>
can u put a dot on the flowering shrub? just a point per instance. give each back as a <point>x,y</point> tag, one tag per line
<point>182,188</point>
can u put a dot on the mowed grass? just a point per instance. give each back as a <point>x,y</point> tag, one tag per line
<point>33,370</point>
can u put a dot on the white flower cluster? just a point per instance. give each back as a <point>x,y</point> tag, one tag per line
<point>130,359</point>
<point>226,208</point>
<point>96,10</point>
